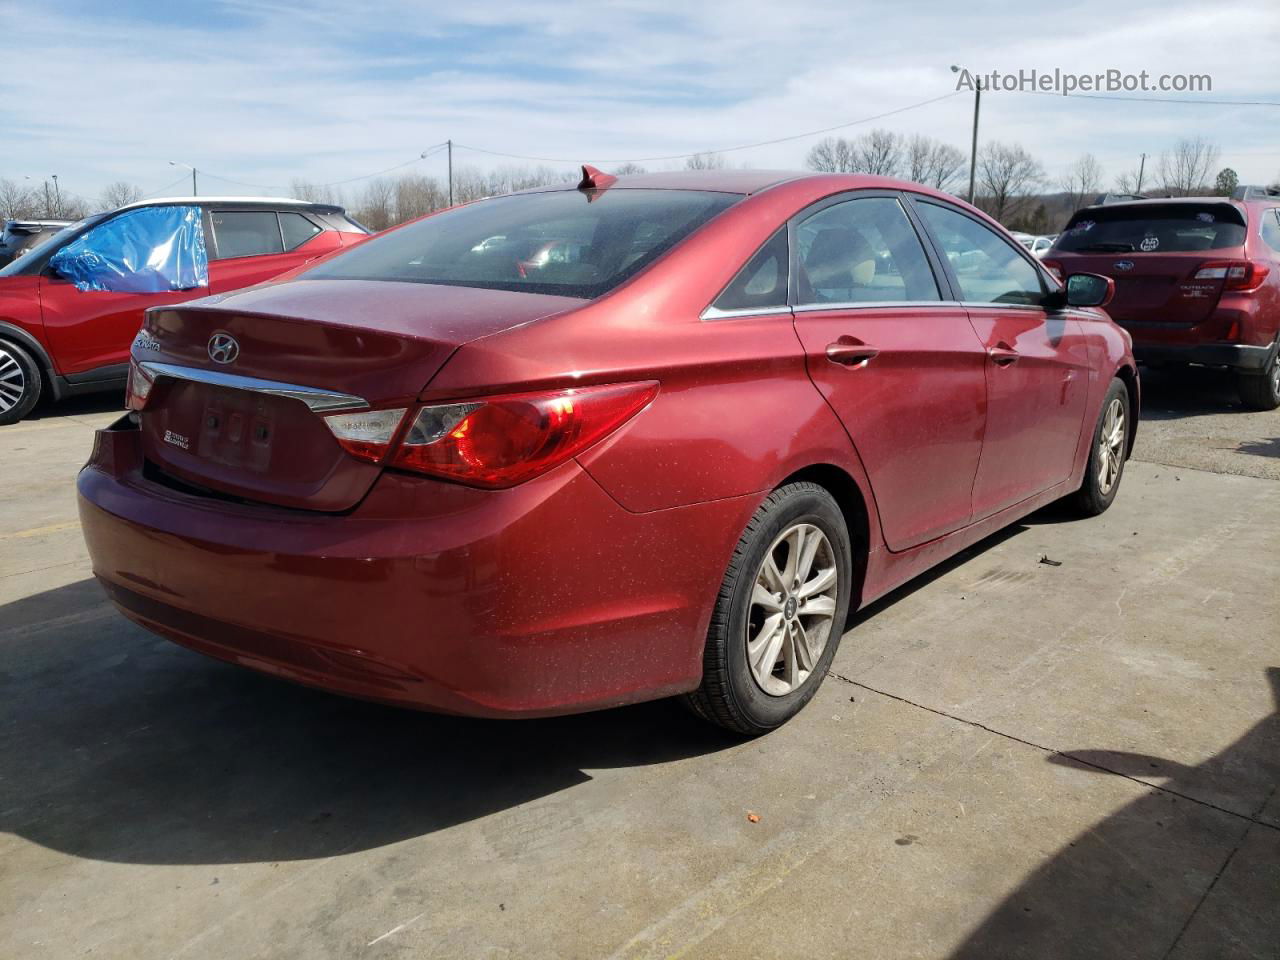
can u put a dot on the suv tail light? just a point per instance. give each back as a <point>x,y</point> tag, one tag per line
<point>1054,267</point>
<point>494,442</point>
<point>1241,275</point>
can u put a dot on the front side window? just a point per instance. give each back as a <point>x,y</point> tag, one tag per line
<point>566,242</point>
<point>988,268</point>
<point>147,250</point>
<point>245,233</point>
<point>862,251</point>
<point>762,283</point>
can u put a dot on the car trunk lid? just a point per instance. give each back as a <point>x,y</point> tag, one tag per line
<point>252,427</point>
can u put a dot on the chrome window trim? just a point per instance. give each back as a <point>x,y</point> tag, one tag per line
<point>992,305</point>
<point>873,305</point>
<point>316,399</point>
<point>715,313</point>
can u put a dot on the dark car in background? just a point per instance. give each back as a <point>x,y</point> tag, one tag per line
<point>19,236</point>
<point>1197,280</point>
<point>71,307</point>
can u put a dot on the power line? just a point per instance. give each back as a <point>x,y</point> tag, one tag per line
<point>744,146</point>
<point>1103,96</point>
<point>153,193</point>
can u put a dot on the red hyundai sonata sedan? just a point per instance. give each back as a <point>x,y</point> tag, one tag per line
<point>586,446</point>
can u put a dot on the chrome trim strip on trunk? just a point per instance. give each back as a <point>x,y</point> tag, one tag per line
<point>319,401</point>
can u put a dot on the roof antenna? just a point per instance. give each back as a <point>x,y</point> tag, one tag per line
<point>594,179</point>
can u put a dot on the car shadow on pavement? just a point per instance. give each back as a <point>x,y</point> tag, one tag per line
<point>1171,393</point>
<point>116,745</point>
<point>1163,876</point>
<point>106,402</point>
<point>1261,448</point>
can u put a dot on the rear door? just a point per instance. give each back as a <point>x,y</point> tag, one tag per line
<point>251,245</point>
<point>900,365</point>
<point>1037,363</point>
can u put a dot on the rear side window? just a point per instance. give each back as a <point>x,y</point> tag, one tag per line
<point>1271,228</point>
<point>862,251</point>
<point>1154,228</point>
<point>296,230</point>
<point>246,233</point>
<point>566,242</point>
<point>988,268</point>
<point>762,283</point>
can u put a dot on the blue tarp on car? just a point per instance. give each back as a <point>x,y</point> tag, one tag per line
<point>148,250</point>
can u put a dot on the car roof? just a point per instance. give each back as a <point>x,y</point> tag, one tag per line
<point>745,181</point>
<point>234,201</point>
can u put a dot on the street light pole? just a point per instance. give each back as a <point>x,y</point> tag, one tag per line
<point>449,145</point>
<point>178,163</point>
<point>973,150</point>
<point>57,196</point>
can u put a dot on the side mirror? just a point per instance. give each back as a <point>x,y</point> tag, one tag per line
<point>1089,290</point>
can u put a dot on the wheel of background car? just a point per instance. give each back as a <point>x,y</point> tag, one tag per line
<point>779,614</point>
<point>20,382</point>
<point>1107,453</point>
<point>1261,391</point>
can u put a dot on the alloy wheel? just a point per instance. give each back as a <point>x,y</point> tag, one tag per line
<point>793,605</point>
<point>1111,446</point>
<point>13,381</point>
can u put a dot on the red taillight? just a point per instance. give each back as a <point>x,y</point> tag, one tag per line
<point>366,435</point>
<point>1054,267</point>
<point>139,386</point>
<point>501,441</point>
<point>1239,275</point>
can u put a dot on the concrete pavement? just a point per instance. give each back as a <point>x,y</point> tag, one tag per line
<point>1012,760</point>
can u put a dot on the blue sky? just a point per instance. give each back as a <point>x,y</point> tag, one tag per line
<point>262,92</point>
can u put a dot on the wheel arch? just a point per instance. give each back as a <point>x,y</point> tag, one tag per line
<point>1128,375</point>
<point>855,510</point>
<point>27,342</point>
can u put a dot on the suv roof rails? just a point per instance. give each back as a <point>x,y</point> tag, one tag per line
<point>1104,198</point>
<point>1255,192</point>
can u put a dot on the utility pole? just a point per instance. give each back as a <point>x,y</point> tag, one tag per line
<point>48,209</point>
<point>57,196</point>
<point>449,145</point>
<point>179,163</point>
<point>1142,166</point>
<point>973,150</point>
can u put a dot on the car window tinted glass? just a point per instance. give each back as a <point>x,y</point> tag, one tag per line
<point>297,230</point>
<point>1154,228</point>
<point>1271,228</point>
<point>566,242</point>
<point>862,251</point>
<point>988,268</point>
<point>762,283</point>
<point>245,233</point>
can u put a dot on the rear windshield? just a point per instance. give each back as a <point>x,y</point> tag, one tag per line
<point>565,242</point>
<point>1152,228</point>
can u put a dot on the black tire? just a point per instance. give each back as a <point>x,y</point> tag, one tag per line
<point>1261,391</point>
<point>20,382</point>
<point>730,695</point>
<point>1094,496</point>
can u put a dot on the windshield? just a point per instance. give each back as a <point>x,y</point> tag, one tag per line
<point>47,245</point>
<point>566,242</point>
<point>1154,228</point>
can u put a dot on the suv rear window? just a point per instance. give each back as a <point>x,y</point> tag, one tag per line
<point>564,242</point>
<point>1154,228</point>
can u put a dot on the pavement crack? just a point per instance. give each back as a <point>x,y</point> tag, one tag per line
<point>1253,818</point>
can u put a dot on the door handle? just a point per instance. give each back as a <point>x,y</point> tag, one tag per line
<point>1003,355</point>
<point>851,353</point>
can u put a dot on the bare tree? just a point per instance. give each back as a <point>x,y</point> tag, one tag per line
<point>879,152</point>
<point>416,195</point>
<point>832,155</point>
<point>1007,175</point>
<point>705,161</point>
<point>375,208</point>
<point>932,162</point>
<point>1185,169</point>
<point>1082,181</point>
<point>118,194</point>
<point>314,192</point>
<point>628,169</point>
<point>16,201</point>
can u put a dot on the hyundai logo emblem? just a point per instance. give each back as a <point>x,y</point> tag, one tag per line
<point>1123,264</point>
<point>223,348</point>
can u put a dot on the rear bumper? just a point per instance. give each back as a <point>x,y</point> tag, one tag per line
<point>1235,355</point>
<point>546,598</point>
